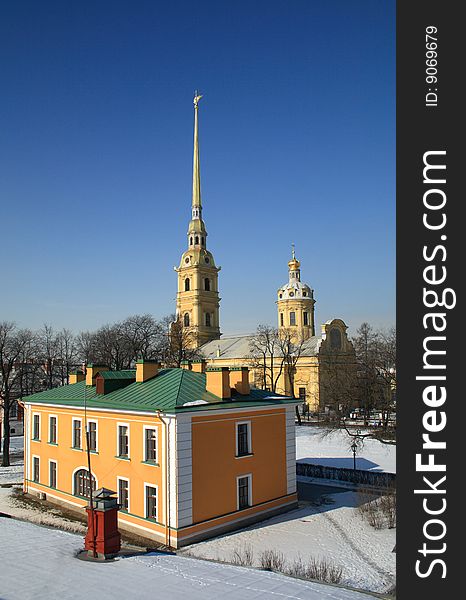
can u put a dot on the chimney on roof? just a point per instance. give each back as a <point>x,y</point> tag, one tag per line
<point>76,376</point>
<point>92,371</point>
<point>218,381</point>
<point>239,380</point>
<point>198,366</point>
<point>146,369</point>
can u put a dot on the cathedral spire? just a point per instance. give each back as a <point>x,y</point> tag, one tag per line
<point>196,202</point>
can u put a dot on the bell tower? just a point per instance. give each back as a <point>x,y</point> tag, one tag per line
<point>296,303</point>
<point>197,300</point>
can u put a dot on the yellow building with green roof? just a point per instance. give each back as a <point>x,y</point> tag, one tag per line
<point>191,452</point>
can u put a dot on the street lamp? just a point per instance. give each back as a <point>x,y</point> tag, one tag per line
<point>354,447</point>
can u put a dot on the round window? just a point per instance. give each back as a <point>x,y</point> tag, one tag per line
<point>186,260</point>
<point>291,294</point>
<point>207,259</point>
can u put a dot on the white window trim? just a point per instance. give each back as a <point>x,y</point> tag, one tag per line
<point>51,460</point>
<point>96,433</point>
<point>249,476</point>
<point>32,474</point>
<point>56,429</point>
<point>73,419</point>
<point>129,491</point>
<point>152,485</point>
<point>248,423</point>
<point>34,414</point>
<point>82,467</point>
<point>118,455</point>
<point>144,453</point>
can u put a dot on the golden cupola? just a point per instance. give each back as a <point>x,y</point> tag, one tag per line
<point>295,301</point>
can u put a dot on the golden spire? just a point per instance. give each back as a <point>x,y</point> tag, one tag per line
<point>196,167</point>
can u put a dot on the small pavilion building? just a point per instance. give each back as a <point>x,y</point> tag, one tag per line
<point>192,452</point>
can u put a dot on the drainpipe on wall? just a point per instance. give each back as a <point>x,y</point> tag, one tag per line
<point>25,448</point>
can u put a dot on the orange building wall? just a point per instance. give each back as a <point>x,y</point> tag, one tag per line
<point>214,447</point>
<point>104,464</point>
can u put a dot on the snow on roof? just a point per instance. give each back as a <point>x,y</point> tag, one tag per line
<point>238,347</point>
<point>40,564</point>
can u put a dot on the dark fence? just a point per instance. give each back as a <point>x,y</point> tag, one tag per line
<point>373,478</point>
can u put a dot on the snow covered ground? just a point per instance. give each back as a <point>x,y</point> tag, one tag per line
<point>334,531</point>
<point>333,450</point>
<point>331,530</point>
<point>16,443</point>
<point>39,563</point>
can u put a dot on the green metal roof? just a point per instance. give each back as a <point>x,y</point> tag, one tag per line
<point>170,390</point>
<point>129,374</point>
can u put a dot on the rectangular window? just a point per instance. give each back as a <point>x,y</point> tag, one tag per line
<point>36,427</point>
<point>35,469</point>
<point>305,318</point>
<point>281,320</point>
<point>292,318</point>
<point>77,433</point>
<point>244,490</point>
<point>52,474</point>
<point>123,442</point>
<point>123,494</point>
<point>150,453</point>
<point>243,439</point>
<point>302,394</point>
<point>151,502</point>
<point>92,425</point>
<point>52,430</point>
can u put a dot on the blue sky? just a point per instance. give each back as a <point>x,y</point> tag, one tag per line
<point>297,134</point>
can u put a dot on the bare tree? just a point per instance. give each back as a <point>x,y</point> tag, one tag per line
<point>180,343</point>
<point>49,350</point>
<point>291,348</point>
<point>369,390</point>
<point>266,356</point>
<point>111,347</point>
<point>144,337</point>
<point>13,345</point>
<point>67,354</point>
<point>86,347</point>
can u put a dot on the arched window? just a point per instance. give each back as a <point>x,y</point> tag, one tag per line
<point>207,320</point>
<point>81,483</point>
<point>335,339</point>
<point>186,320</point>
<point>196,240</point>
<point>207,284</point>
<point>186,284</point>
